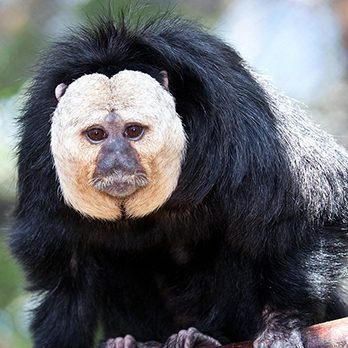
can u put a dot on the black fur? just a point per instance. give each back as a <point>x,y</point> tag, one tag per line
<point>258,220</point>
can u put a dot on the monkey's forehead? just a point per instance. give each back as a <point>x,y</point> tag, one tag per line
<point>124,90</point>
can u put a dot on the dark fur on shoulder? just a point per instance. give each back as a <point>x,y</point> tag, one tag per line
<point>258,219</point>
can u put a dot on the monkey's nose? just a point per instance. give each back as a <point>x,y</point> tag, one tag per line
<point>118,156</point>
<point>118,170</point>
<point>117,162</point>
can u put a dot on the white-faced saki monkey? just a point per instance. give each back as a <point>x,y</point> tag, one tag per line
<point>170,197</point>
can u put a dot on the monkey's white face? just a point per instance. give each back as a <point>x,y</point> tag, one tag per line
<point>117,144</point>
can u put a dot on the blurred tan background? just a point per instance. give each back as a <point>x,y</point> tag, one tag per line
<point>301,45</point>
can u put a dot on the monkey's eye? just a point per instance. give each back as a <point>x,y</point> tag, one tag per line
<point>134,132</point>
<point>96,135</point>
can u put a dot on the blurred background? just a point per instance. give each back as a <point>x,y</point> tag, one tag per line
<point>300,45</point>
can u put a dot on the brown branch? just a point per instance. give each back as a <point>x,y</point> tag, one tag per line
<point>332,334</point>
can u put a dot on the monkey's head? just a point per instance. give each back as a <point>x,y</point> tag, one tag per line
<point>117,144</point>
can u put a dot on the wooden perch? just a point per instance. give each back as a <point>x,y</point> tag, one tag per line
<point>332,334</point>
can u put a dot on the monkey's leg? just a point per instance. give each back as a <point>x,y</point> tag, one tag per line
<point>191,338</point>
<point>282,330</point>
<point>297,289</point>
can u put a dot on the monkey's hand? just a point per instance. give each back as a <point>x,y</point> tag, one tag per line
<point>129,342</point>
<point>191,338</point>
<point>282,330</point>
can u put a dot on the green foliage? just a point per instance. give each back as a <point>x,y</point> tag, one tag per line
<point>11,280</point>
<point>13,323</point>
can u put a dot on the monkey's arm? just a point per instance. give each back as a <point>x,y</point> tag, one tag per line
<point>64,278</point>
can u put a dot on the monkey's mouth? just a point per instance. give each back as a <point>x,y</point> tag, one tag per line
<point>120,184</point>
